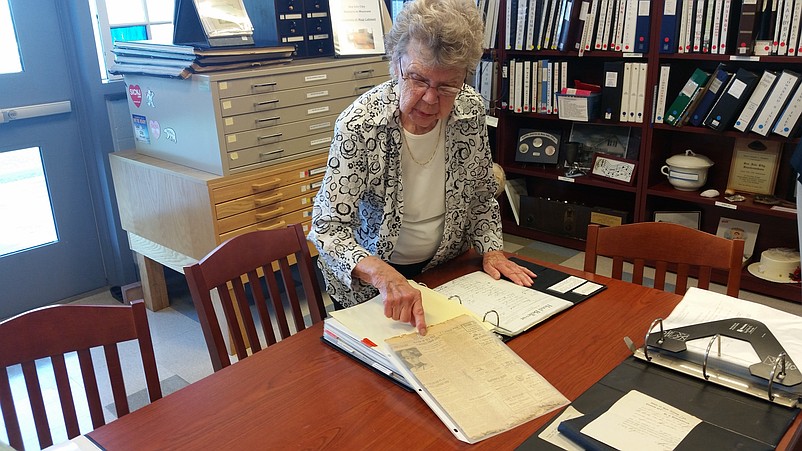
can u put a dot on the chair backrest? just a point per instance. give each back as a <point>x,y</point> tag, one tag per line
<point>245,258</point>
<point>666,246</point>
<point>53,331</point>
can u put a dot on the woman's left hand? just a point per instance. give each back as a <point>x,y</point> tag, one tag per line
<point>496,264</point>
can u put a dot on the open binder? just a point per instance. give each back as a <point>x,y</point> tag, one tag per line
<point>513,309</point>
<point>712,359</point>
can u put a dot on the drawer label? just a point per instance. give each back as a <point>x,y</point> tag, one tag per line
<point>233,155</point>
<point>293,39</point>
<point>320,125</point>
<point>317,142</point>
<point>323,109</point>
<point>290,16</point>
<point>316,77</point>
<point>227,105</point>
<point>222,86</point>
<point>311,186</point>
<point>231,138</point>
<point>311,95</point>
<point>316,15</point>
<point>229,121</point>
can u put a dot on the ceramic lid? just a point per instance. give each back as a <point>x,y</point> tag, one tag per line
<point>690,161</point>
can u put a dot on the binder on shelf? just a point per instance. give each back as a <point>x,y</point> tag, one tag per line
<point>709,95</point>
<point>788,123</point>
<point>669,26</point>
<point>642,25</point>
<point>532,13</point>
<point>715,37</point>
<point>630,24</point>
<point>727,362</point>
<point>609,25</point>
<point>662,93</point>
<point>638,101</point>
<point>775,102</point>
<point>746,28</point>
<point>612,90</point>
<point>707,27</point>
<point>685,26</point>
<point>570,23</point>
<point>698,26</point>
<point>679,107</point>
<point>759,94</point>
<point>732,100</point>
<point>728,21</point>
<point>793,37</point>
<point>520,24</point>
<point>578,28</point>
<point>626,92</point>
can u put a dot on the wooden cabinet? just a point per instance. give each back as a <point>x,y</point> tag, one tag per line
<point>650,191</point>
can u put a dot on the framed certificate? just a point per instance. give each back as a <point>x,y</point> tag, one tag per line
<point>754,166</point>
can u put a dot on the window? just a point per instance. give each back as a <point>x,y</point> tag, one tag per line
<point>128,20</point>
<point>9,51</point>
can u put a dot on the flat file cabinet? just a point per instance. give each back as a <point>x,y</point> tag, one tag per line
<point>237,121</point>
<point>175,215</point>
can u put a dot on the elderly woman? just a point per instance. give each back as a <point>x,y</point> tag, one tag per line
<point>409,183</point>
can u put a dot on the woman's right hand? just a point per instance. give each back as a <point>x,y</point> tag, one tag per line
<point>402,302</point>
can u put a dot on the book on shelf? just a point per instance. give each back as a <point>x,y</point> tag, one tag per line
<point>454,368</point>
<point>788,123</point>
<point>669,26</point>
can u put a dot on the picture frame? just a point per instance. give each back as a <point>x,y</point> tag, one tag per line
<point>613,168</point>
<point>692,219</point>
<point>754,166</point>
<point>733,228</point>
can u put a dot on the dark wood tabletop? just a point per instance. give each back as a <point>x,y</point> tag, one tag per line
<point>302,394</point>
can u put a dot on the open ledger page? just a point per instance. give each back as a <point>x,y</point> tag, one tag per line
<point>476,384</point>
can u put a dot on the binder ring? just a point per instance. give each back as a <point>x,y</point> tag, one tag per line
<point>484,318</point>
<point>456,296</point>
<point>707,354</point>
<point>780,358</point>
<point>646,340</point>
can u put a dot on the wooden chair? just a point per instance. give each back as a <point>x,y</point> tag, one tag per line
<point>53,331</point>
<point>660,244</point>
<point>244,258</point>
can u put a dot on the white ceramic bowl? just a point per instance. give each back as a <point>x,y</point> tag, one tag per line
<point>687,172</point>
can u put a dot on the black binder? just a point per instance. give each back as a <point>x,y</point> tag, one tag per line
<point>547,277</point>
<point>730,103</point>
<point>612,89</point>
<point>730,419</point>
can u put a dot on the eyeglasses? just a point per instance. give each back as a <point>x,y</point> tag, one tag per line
<point>421,86</point>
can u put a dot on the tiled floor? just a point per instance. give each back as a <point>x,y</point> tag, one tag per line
<point>181,352</point>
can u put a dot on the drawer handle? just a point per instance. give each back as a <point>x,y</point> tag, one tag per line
<point>269,214</point>
<point>263,85</point>
<point>363,73</point>
<point>278,225</point>
<point>274,118</point>
<point>265,185</point>
<point>266,102</point>
<point>272,154</point>
<point>274,135</point>
<point>361,89</point>
<point>262,201</point>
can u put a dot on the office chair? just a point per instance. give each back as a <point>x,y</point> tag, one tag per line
<point>243,258</point>
<point>660,244</point>
<point>53,331</point>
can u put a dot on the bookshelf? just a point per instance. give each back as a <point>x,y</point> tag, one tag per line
<point>651,192</point>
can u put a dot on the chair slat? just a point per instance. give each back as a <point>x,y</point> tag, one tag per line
<point>65,396</point>
<point>660,270</point>
<point>637,271</point>
<point>10,418</point>
<point>683,272</point>
<point>261,307</point>
<point>292,293</point>
<point>278,304</point>
<point>37,403</point>
<point>91,388</point>
<point>116,378</point>
<point>231,320</point>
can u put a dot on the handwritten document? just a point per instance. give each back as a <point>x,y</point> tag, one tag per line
<point>514,308</point>
<point>472,380</point>
<point>638,422</point>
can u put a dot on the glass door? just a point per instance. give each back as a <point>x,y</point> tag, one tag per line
<point>49,245</point>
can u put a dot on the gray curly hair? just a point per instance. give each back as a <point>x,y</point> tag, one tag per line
<point>451,30</point>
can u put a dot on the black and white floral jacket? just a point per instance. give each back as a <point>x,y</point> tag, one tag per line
<point>358,210</point>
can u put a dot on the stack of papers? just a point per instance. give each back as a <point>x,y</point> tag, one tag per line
<point>469,378</point>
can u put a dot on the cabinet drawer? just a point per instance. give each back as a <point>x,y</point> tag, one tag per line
<point>251,121</point>
<point>277,134</point>
<point>288,148</point>
<point>262,180</point>
<point>296,217</point>
<point>305,189</point>
<point>264,213</point>
<point>292,97</point>
<point>293,80</point>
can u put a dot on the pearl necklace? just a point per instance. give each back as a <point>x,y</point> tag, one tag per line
<point>406,146</point>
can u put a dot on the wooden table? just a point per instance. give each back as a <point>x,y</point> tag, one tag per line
<point>301,394</point>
